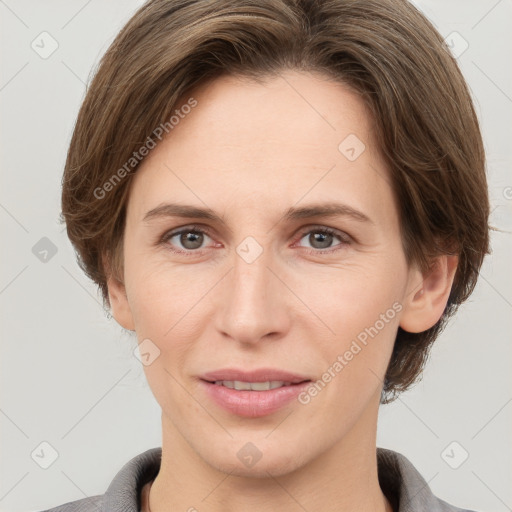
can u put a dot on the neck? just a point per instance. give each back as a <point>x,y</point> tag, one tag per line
<point>342,478</point>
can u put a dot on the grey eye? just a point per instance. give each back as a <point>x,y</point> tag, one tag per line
<point>189,239</point>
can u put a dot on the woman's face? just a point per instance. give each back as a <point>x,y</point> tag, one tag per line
<point>260,285</point>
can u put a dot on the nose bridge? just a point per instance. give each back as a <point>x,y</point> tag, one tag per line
<point>251,277</point>
<point>252,304</point>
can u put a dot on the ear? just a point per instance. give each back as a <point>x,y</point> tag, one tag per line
<point>119,300</point>
<point>428,294</point>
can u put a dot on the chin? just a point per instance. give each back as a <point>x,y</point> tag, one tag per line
<point>250,461</point>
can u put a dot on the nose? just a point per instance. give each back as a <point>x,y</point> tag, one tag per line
<point>254,302</point>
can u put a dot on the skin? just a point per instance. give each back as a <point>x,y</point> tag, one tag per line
<point>249,152</point>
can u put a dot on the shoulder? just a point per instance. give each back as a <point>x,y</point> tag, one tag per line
<point>124,491</point>
<point>406,487</point>
<point>90,504</point>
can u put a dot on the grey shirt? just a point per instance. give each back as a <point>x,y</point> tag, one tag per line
<point>400,481</point>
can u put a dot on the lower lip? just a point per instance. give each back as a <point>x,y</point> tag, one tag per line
<point>252,404</point>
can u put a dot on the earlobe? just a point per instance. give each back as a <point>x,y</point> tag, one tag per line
<point>119,303</point>
<point>426,301</point>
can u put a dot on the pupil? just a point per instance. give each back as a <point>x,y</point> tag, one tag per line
<point>323,238</point>
<point>191,240</point>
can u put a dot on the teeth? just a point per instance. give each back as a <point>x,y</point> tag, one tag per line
<point>252,386</point>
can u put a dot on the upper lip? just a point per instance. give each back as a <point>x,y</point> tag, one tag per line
<point>257,375</point>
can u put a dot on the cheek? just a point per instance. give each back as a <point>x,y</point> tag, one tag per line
<point>353,297</point>
<point>353,360</point>
<point>166,309</point>
<point>163,312</point>
<point>157,294</point>
<point>361,308</point>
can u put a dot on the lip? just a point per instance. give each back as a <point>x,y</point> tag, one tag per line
<point>249,403</point>
<point>257,375</point>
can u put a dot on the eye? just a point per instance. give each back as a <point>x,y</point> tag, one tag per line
<point>321,238</point>
<point>190,238</point>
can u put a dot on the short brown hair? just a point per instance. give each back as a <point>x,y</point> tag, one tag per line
<point>385,50</point>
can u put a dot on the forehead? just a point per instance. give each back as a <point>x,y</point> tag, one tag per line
<point>298,135</point>
<point>293,108</point>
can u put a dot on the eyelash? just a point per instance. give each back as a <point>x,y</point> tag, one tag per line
<point>344,239</point>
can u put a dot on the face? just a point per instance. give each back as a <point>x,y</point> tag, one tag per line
<point>267,283</point>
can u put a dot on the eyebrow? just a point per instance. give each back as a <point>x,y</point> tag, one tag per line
<point>293,213</point>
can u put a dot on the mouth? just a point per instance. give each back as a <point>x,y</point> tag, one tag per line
<point>252,394</point>
<point>241,385</point>
<point>256,376</point>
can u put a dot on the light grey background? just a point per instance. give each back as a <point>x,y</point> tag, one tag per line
<point>68,374</point>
